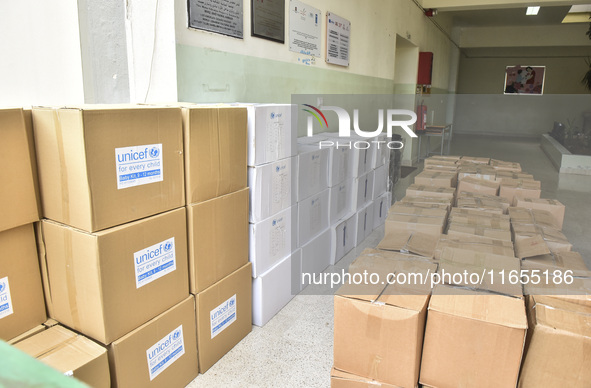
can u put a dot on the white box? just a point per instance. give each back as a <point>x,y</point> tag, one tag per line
<point>272,239</point>
<point>362,151</point>
<point>381,205</point>
<point>313,216</point>
<point>316,254</point>
<point>341,201</point>
<point>363,190</point>
<point>382,152</point>
<point>364,221</point>
<point>313,162</point>
<point>343,238</point>
<point>340,160</point>
<point>380,181</point>
<point>273,188</point>
<point>272,290</point>
<point>271,136</point>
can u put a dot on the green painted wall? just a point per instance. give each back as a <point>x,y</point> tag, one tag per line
<point>206,75</point>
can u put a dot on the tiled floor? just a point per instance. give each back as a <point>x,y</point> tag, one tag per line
<point>295,348</point>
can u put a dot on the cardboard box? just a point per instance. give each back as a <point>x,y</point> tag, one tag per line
<point>21,294</point>
<point>425,211</point>
<point>416,200</point>
<point>341,201</point>
<point>18,200</point>
<point>272,239</point>
<point>474,243</point>
<point>474,159</point>
<point>472,339</point>
<point>382,153</point>
<point>478,171</point>
<point>449,158</point>
<point>218,239</point>
<point>501,175</point>
<point>70,354</point>
<point>378,330</point>
<point>452,169</point>
<point>555,208</point>
<point>458,229</point>
<point>340,379</point>
<point>160,353</point>
<point>313,162</point>
<point>467,212</point>
<point>107,283</point>
<point>559,345</point>
<point>438,162</point>
<point>460,261</point>
<point>27,334</point>
<point>564,261</point>
<point>274,289</point>
<point>475,185</point>
<point>539,217</point>
<point>417,243</point>
<point>313,217</point>
<point>511,188</point>
<point>532,240</point>
<point>427,191</point>
<point>224,316</point>
<point>364,221</point>
<point>340,164</point>
<point>381,205</point>
<point>505,166</point>
<point>273,188</point>
<point>436,179</point>
<point>215,151</point>
<point>343,238</point>
<point>316,255</point>
<point>402,223</point>
<point>478,220</point>
<point>380,181</point>
<point>484,202</point>
<point>362,158</point>
<point>271,136</point>
<point>104,166</point>
<point>363,189</point>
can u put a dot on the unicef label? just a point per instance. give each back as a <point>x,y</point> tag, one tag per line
<point>5,300</point>
<point>165,352</point>
<point>139,165</point>
<point>223,316</point>
<point>154,262</point>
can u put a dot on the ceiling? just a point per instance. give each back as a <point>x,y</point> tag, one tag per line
<point>507,17</point>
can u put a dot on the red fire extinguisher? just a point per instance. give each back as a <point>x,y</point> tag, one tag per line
<point>421,125</point>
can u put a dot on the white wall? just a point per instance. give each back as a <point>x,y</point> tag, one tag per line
<point>40,46</point>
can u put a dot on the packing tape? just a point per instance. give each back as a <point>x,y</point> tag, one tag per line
<point>71,279</point>
<point>63,167</point>
<point>55,348</point>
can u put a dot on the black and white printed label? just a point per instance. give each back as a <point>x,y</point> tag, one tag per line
<point>139,165</point>
<point>154,262</point>
<point>223,316</point>
<point>165,352</point>
<point>5,300</point>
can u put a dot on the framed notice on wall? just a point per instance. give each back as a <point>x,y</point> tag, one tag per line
<point>304,28</point>
<point>221,16</point>
<point>338,32</point>
<point>528,80</point>
<point>268,19</point>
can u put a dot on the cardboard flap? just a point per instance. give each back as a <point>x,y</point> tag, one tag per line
<point>482,306</point>
<point>477,213</point>
<point>563,260</point>
<point>409,242</point>
<point>562,318</point>
<point>525,184</point>
<point>543,218</point>
<point>475,243</point>
<point>481,182</point>
<point>531,246</point>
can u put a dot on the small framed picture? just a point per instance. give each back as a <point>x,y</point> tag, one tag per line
<point>527,80</point>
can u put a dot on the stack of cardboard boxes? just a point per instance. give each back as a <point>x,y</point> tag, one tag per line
<point>215,144</point>
<point>462,333</point>
<point>113,246</point>
<point>22,306</point>
<point>272,178</point>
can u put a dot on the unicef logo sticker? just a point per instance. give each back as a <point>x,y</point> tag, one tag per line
<point>2,287</point>
<point>154,152</point>
<point>176,335</point>
<point>232,303</point>
<point>167,246</point>
<point>274,222</point>
<point>272,115</point>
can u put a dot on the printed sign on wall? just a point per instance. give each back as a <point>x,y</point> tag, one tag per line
<point>338,32</point>
<point>304,28</point>
<point>221,16</point>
